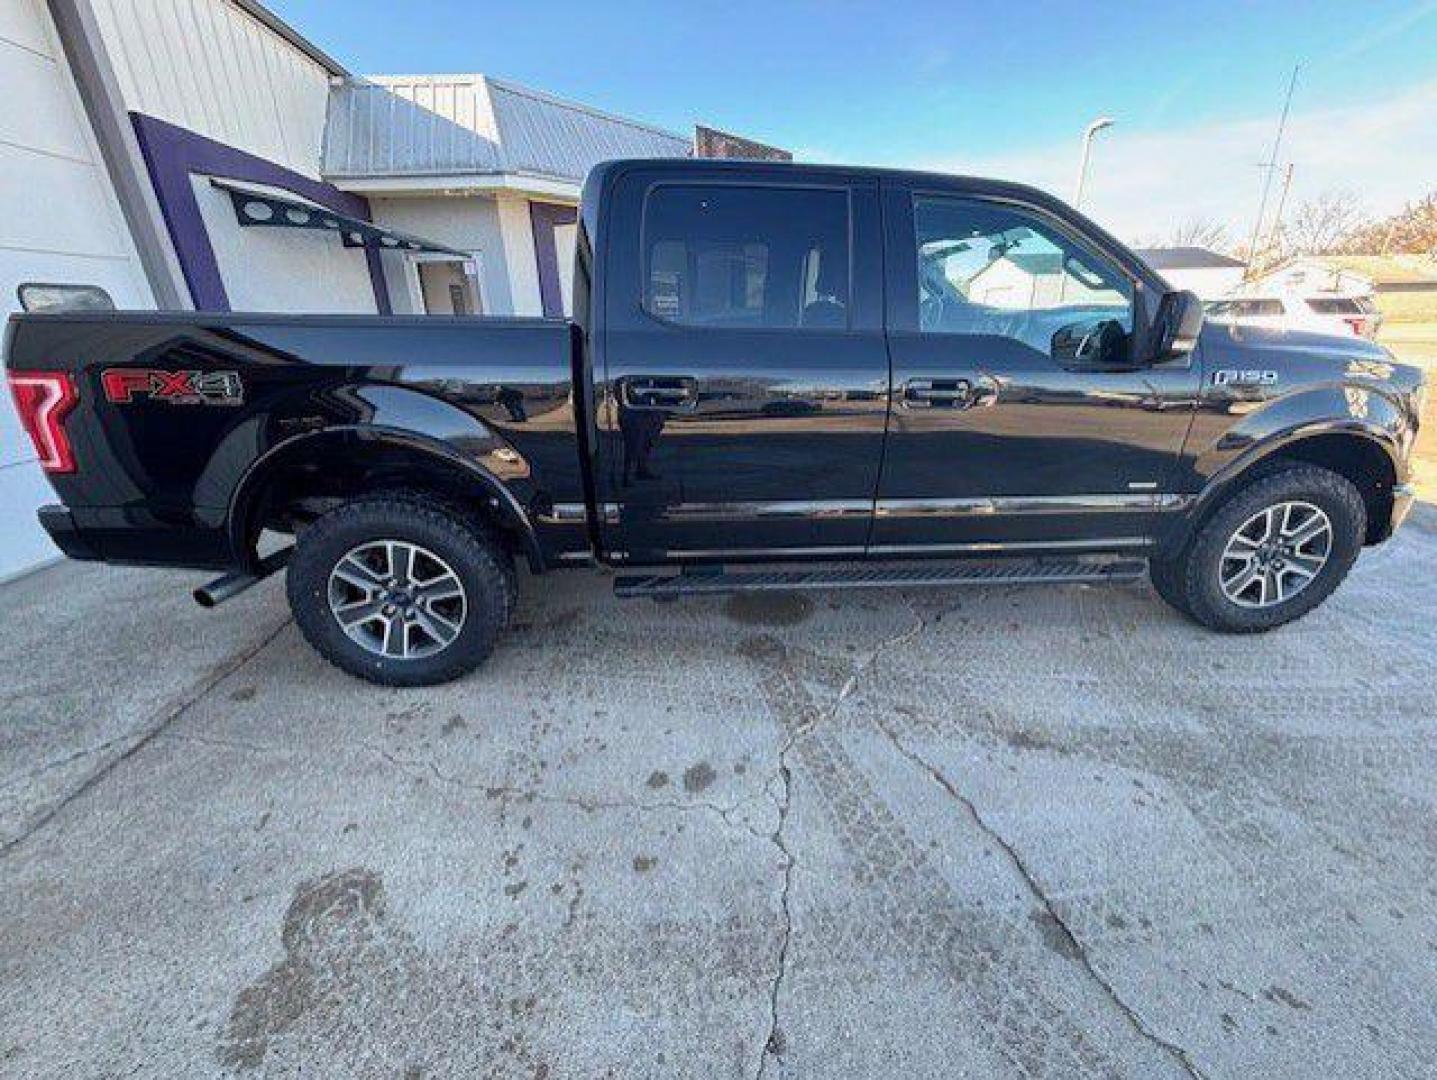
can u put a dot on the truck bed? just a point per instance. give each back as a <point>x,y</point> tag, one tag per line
<point>257,390</point>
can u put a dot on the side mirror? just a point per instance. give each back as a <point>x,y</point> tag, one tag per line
<point>1091,343</point>
<point>1177,325</point>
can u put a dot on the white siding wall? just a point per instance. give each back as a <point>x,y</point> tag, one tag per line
<point>517,229</point>
<point>1209,282</point>
<point>208,66</point>
<point>273,269</point>
<point>469,223</point>
<point>59,222</point>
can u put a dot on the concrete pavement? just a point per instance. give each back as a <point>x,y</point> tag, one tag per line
<point>988,833</point>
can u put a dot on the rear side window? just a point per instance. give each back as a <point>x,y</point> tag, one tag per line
<point>747,257</point>
<point>1336,305</point>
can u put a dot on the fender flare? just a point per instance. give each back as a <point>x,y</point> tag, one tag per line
<point>1221,483</point>
<point>241,501</point>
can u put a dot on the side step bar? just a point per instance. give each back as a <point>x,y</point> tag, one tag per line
<point>883,576</point>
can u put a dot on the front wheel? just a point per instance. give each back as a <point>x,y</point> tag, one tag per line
<point>400,590</point>
<point>1271,553</point>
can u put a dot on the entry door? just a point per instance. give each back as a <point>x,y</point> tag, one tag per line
<point>1018,419</point>
<point>746,368</point>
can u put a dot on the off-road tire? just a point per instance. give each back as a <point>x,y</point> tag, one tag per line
<point>1191,581</point>
<point>463,542</point>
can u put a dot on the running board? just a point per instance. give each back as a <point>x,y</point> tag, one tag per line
<point>886,576</point>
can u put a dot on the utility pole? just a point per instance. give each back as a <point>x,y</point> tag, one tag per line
<point>1088,133</point>
<point>1275,233</point>
<point>1268,170</point>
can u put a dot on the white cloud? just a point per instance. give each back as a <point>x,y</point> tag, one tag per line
<point>1146,183</point>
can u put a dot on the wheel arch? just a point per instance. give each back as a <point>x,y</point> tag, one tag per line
<point>341,463</point>
<point>1365,455</point>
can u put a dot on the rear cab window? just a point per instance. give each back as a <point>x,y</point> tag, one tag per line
<point>747,256</point>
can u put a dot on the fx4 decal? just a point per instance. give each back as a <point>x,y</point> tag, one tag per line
<point>1250,377</point>
<point>124,385</point>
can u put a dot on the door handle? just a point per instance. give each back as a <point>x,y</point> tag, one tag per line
<point>658,392</point>
<point>950,393</point>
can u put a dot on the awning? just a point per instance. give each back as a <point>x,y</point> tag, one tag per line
<point>254,207</point>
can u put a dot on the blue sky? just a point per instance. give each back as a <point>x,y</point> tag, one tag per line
<point>972,87</point>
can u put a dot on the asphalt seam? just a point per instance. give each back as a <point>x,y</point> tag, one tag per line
<point>198,694</point>
<point>1134,1019</point>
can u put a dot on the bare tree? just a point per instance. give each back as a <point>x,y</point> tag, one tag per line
<point>1199,232</point>
<point>1320,226</point>
<point>1411,231</point>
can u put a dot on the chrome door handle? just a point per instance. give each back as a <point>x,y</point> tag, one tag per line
<point>658,392</point>
<point>949,393</point>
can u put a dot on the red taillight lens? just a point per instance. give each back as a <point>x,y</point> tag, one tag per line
<point>44,398</point>
<point>1358,325</point>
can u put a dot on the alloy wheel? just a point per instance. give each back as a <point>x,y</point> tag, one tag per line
<point>1275,554</point>
<point>397,599</point>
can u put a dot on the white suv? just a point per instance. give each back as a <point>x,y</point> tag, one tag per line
<point>1322,313</point>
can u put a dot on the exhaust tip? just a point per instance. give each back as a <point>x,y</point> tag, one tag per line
<point>204,597</point>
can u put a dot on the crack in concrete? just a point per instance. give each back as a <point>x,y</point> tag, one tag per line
<point>509,793</point>
<point>773,1043</point>
<point>1075,947</point>
<point>145,738</point>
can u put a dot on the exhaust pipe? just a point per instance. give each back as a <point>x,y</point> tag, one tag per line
<point>231,585</point>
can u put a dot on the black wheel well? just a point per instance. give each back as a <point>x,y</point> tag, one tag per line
<point>1361,461</point>
<point>300,486</point>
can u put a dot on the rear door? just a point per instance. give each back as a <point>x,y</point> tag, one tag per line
<point>1006,432</point>
<point>743,400</point>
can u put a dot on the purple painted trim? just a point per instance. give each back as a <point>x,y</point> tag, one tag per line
<point>172,153</point>
<point>543,218</point>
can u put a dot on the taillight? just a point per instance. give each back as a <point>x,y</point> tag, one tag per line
<point>44,399</point>
<point>1358,325</point>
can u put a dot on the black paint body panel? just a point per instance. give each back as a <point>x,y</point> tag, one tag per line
<point>792,446</point>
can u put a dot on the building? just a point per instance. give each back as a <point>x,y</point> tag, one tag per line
<point>1204,272</point>
<point>1403,286</point>
<point>487,168</point>
<point>202,154</point>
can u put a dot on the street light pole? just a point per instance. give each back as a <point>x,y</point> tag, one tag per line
<point>1088,133</point>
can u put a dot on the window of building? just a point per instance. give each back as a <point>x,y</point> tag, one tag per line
<point>747,257</point>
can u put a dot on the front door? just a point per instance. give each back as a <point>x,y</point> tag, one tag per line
<point>1019,421</point>
<point>745,392</point>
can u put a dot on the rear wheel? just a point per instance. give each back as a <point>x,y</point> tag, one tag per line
<point>400,590</point>
<point>1269,554</point>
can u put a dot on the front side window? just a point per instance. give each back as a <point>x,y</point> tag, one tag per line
<point>989,269</point>
<point>730,256</point>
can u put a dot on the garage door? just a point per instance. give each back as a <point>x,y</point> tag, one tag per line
<point>59,222</point>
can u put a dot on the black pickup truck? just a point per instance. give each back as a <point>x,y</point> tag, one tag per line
<point>777,376</point>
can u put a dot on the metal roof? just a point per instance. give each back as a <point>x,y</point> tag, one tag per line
<point>453,125</point>
<point>1186,258</point>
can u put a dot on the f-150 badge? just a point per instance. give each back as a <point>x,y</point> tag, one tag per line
<point>124,386</point>
<point>1246,377</point>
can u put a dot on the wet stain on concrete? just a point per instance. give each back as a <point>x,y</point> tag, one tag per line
<point>698,777</point>
<point>644,863</point>
<point>329,921</point>
<point>768,608</point>
<point>1287,997</point>
<point>244,693</point>
<point>453,724</point>
<point>658,779</point>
